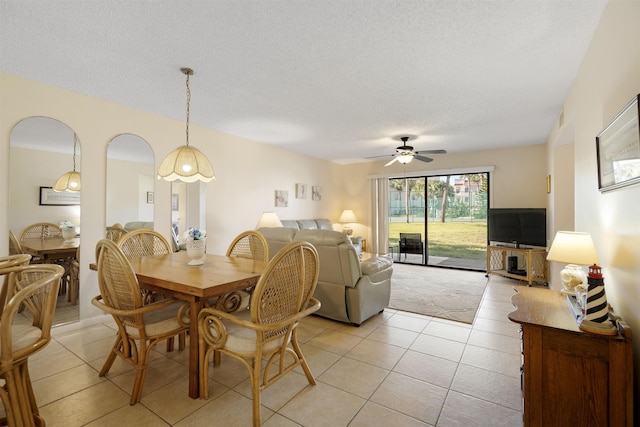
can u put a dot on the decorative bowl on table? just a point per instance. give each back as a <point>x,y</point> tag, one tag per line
<point>68,234</point>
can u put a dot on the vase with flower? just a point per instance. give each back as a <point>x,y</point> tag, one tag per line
<point>68,230</point>
<point>196,245</point>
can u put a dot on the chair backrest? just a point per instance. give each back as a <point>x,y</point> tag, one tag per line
<point>36,288</point>
<point>286,286</point>
<point>251,245</point>
<point>118,284</point>
<point>14,245</point>
<point>6,263</point>
<point>41,230</point>
<point>143,242</point>
<point>115,232</point>
<point>411,241</point>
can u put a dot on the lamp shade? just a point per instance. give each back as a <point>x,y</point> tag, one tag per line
<point>70,182</point>
<point>347,216</point>
<point>405,158</point>
<point>186,164</point>
<point>573,248</point>
<point>269,219</point>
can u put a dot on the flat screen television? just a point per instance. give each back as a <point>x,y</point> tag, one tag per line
<point>526,226</point>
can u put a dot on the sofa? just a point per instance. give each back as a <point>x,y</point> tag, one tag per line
<point>319,224</point>
<point>349,290</point>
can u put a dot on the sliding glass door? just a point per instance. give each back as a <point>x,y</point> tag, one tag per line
<point>439,220</point>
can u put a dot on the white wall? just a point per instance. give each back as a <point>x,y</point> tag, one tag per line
<point>607,80</point>
<point>244,185</point>
<point>127,186</point>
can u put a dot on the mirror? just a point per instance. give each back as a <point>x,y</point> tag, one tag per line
<point>40,151</point>
<point>130,182</point>
<point>188,208</point>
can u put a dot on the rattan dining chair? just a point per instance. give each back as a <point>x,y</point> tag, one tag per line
<point>41,230</point>
<point>282,297</point>
<point>74,279</point>
<point>249,245</point>
<point>115,232</point>
<point>140,326</point>
<point>36,288</point>
<point>14,246</point>
<point>6,262</point>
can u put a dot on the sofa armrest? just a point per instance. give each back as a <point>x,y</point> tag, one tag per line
<point>375,264</point>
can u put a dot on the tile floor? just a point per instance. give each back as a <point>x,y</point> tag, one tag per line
<point>397,369</point>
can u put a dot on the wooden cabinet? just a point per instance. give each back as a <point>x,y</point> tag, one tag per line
<point>570,377</point>
<point>533,262</point>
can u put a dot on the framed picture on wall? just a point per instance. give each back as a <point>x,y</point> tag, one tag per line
<point>49,197</point>
<point>316,193</point>
<point>618,149</point>
<point>301,191</point>
<point>282,199</point>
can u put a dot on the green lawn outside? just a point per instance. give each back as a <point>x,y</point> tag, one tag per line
<point>450,239</point>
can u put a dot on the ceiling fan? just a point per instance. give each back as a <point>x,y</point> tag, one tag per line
<point>404,154</point>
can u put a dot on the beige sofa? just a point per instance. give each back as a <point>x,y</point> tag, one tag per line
<point>349,290</point>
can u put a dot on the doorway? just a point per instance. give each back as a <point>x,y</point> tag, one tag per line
<point>439,220</point>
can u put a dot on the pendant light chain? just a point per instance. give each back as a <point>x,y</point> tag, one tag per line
<point>188,72</point>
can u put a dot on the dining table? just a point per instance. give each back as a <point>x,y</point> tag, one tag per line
<point>51,249</point>
<point>219,275</point>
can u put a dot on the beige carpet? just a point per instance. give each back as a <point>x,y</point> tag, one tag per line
<point>439,292</point>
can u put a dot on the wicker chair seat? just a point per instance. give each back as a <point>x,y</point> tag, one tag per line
<point>158,322</point>
<point>22,337</point>
<point>241,339</point>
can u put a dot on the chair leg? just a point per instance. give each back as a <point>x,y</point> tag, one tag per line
<point>112,357</point>
<point>141,371</point>
<point>303,361</point>
<point>255,392</point>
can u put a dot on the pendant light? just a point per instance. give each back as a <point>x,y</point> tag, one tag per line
<point>70,181</point>
<point>186,163</point>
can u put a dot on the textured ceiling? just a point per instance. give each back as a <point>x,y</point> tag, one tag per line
<point>336,80</point>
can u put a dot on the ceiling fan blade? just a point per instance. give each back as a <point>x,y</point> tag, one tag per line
<point>423,159</point>
<point>431,152</point>
<point>377,157</point>
<point>391,162</point>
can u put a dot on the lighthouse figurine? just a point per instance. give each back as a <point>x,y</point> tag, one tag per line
<point>596,319</point>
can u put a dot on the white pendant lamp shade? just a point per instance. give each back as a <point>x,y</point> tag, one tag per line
<point>186,163</point>
<point>70,181</point>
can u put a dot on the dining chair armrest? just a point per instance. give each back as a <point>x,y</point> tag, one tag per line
<point>97,301</point>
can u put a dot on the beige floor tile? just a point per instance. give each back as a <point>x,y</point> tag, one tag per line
<point>463,410</point>
<point>492,360</point>
<point>307,331</point>
<point>229,373</point>
<point>322,405</point>
<point>497,305</point>
<point>448,331</point>
<point>277,420</point>
<point>495,341</point>
<point>431,369</point>
<point>452,322</point>
<point>408,322</point>
<point>65,383</point>
<point>85,406</point>
<point>279,393</point>
<point>53,359</point>
<point>372,415</point>
<point>86,335</point>
<point>355,377</point>
<point>93,350</point>
<point>377,353</point>
<point>128,415</point>
<point>172,402</point>
<point>360,331</point>
<point>394,336</point>
<point>229,410</point>
<point>160,372</point>
<point>487,385</point>
<point>490,313</point>
<point>335,341</point>
<point>439,347</point>
<point>318,359</point>
<point>412,397</point>
<point>497,327</point>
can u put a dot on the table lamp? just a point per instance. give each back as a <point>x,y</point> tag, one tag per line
<point>347,218</point>
<point>268,219</point>
<point>576,249</point>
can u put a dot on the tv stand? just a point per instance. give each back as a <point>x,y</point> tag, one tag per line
<point>535,268</point>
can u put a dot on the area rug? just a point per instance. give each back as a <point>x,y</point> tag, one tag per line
<point>439,292</point>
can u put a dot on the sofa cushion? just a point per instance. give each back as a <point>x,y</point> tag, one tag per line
<point>290,223</point>
<point>325,238</point>
<point>324,224</point>
<point>134,225</point>
<point>307,224</point>
<point>278,234</point>
<point>376,264</point>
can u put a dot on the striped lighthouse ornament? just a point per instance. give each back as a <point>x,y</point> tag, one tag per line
<point>596,319</point>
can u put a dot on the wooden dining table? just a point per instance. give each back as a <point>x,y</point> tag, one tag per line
<point>50,248</point>
<point>170,275</point>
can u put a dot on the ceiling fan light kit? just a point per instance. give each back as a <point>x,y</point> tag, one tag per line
<point>405,154</point>
<point>186,163</point>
